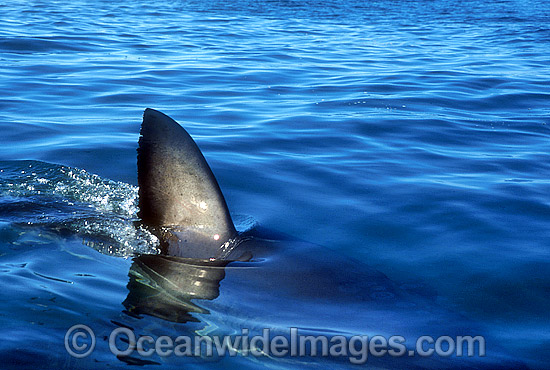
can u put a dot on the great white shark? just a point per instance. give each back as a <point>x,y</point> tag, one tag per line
<point>180,202</point>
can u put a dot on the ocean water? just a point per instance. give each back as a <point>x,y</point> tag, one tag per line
<point>410,136</point>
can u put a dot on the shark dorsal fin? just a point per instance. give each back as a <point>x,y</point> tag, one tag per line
<point>176,185</point>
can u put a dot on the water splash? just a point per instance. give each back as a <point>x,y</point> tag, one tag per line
<point>72,201</point>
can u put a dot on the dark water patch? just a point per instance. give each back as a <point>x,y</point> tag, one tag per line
<point>39,45</point>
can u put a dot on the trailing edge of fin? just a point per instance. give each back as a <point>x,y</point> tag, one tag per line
<point>176,185</point>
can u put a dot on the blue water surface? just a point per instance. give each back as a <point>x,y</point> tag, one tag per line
<point>410,135</point>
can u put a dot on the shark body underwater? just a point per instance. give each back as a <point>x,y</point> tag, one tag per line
<point>266,274</point>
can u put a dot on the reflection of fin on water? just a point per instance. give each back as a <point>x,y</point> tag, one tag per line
<point>164,286</point>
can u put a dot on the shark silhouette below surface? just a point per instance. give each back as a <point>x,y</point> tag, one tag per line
<point>181,202</point>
